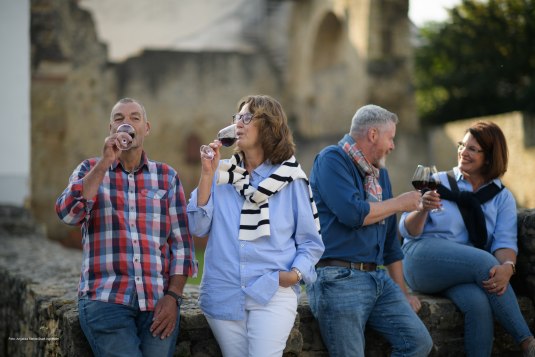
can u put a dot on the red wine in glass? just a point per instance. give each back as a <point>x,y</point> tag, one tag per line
<point>432,184</point>
<point>434,181</point>
<point>420,178</point>
<point>419,184</point>
<point>227,136</point>
<point>228,141</point>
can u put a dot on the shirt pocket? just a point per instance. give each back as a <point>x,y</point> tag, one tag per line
<point>154,193</point>
<point>156,214</point>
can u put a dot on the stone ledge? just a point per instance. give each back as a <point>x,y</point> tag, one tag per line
<point>38,313</point>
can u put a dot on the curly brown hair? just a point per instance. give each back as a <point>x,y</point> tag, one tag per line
<point>275,135</point>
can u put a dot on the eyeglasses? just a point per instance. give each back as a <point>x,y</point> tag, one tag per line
<point>471,149</point>
<point>245,118</point>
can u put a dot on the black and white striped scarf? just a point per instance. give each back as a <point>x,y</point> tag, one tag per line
<point>254,219</point>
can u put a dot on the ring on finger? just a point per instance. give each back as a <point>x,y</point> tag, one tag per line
<point>494,285</point>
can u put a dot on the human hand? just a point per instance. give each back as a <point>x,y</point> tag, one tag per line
<point>409,201</point>
<point>414,302</point>
<point>165,317</point>
<point>288,278</point>
<point>499,277</point>
<point>110,151</point>
<point>209,165</point>
<point>431,201</point>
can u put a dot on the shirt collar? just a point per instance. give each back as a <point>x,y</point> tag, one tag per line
<point>264,170</point>
<point>144,162</point>
<point>459,176</point>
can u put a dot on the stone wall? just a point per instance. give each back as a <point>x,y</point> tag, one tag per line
<point>38,313</point>
<point>321,59</point>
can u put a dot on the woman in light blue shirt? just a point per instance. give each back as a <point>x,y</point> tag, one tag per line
<point>263,233</point>
<point>466,250</point>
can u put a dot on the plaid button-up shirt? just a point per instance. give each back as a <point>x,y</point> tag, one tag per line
<point>134,232</point>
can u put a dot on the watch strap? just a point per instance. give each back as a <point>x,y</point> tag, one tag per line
<point>513,266</point>
<point>299,275</point>
<point>175,296</point>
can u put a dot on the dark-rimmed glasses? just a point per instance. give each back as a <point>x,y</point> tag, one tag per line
<point>471,149</point>
<point>245,118</point>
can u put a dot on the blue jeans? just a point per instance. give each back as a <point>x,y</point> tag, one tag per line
<point>456,271</point>
<point>121,330</point>
<point>345,300</point>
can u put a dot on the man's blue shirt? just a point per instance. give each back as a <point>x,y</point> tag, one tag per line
<point>341,201</point>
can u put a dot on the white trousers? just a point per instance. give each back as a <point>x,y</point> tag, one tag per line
<point>263,332</point>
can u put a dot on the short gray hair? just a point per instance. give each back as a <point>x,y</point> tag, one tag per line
<point>131,100</point>
<point>370,116</point>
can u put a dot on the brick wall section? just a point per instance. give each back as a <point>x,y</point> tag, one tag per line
<point>38,314</point>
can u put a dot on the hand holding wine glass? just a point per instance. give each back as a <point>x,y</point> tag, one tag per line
<point>433,182</point>
<point>421,180</point>
<point>227,137</point>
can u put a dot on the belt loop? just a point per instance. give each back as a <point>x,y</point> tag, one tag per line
<point>361,266</point>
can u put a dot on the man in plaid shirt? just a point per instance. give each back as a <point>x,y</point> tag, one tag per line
<point>137,249</point>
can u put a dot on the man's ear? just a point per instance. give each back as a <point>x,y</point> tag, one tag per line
<point>147,126</point>
<point>373,134</point>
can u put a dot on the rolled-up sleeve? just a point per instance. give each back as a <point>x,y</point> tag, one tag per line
<point>505,228</point>
<point>183,260</point>
<point>307,237</point>
<point>402,229</point>
<point>200,218</point>
<point>71,207</point>
<point>392,252</point>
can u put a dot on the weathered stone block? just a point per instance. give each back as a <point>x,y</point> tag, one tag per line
<point>39,317</point>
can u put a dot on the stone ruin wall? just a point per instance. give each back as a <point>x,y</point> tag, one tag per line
<point>39,317</point>
<point>337,56</point>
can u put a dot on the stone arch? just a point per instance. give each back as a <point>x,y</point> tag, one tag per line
<point>326,50</point>
<point>328,72</point>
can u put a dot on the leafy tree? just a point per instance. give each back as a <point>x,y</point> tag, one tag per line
<point>481,61</point>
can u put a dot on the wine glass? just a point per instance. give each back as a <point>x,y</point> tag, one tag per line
<point>433,182</point>
<point>227,136</point>
<point>420,178</point>
<point>125,136</point>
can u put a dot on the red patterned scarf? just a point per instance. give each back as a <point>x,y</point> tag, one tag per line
<point>373,189</point>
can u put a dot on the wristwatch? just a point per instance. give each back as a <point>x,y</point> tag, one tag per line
<point>175,296</point>
<point>299,275</point>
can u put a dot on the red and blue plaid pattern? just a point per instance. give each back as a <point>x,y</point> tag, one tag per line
<point>134,232</point>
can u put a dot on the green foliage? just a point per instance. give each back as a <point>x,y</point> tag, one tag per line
<point>481,61</point>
